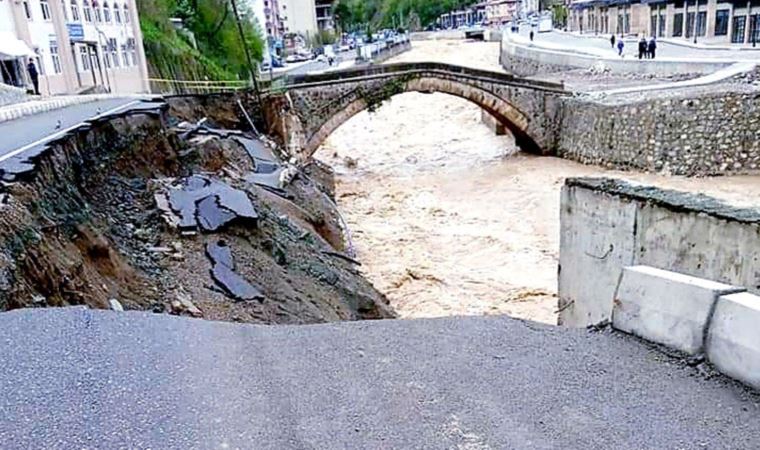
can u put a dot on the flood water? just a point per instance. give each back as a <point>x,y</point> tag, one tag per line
<point>449,219</point>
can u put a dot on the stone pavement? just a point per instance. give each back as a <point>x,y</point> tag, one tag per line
<point>76,378</point>
<point>599,45</point>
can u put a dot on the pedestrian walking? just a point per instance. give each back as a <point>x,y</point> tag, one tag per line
<point>642,47</point>
<point>620,46</point>
<point>531,35</point>
<point>612,41</point>
<point>652,47</point>
<point>32,69</point>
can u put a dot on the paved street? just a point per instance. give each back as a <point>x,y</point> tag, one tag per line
<point>601,45</point>
<point>77,378</point>
<point>313,66</point>
<point>30,129</point>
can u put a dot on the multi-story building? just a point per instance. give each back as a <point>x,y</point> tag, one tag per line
<point>76,45</point>
<point>711,21</point>
<point>273,25</point>
<point>324,14</point>
<point>299,16</point>
<point>499,12</point>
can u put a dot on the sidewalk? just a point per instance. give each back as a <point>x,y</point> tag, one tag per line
<point>681,42</point>
<point>31,107</point>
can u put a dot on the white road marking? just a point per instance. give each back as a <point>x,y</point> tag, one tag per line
<point>62,132</point>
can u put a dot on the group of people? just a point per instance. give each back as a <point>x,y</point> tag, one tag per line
<point>647,49</point>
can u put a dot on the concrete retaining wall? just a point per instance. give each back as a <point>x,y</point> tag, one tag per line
<point>528,60</point>
<point>490,35</point>
<point>607,225</point>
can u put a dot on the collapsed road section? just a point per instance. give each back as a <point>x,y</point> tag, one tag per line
<point>173,206</point>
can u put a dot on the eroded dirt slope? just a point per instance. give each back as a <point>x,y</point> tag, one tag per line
<point>102,218</point>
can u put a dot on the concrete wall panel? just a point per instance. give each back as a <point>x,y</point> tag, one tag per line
<point>596,242</point>
<point>733,342</point>
<point>666,307</point>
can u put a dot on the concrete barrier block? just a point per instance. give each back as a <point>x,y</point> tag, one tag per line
<point>666,307</point>
<point>733,340</point>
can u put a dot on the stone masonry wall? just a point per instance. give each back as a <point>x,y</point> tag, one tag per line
<point>715,134</point>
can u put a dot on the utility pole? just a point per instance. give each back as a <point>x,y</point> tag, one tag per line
<point>248,57</point>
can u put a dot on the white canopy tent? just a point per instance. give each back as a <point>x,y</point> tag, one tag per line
<point>12,48</point>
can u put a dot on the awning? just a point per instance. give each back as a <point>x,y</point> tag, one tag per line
<point>11,47</point>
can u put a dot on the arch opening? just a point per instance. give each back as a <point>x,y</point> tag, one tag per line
<point>433,211</point>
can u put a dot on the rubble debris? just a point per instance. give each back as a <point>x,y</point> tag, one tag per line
<point>207,204</point>
<point>267,180</point>
<point>115,305</point>
<point>223,273</point>
<point>342,256</point>
<point>184,305</point>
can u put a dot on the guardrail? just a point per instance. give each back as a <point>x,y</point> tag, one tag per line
<point>169,87</point>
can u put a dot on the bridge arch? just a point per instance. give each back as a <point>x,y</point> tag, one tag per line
<point>477,92</point>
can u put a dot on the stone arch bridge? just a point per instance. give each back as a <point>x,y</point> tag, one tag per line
<point>308,108</point>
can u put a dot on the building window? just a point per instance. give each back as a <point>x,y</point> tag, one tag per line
<point>721,22</point>
<point>98,13</point>
<point>106,57</point>
<point>132,50</point>
<point>689,24</point>
<point>126,14</point>
<point>116,13</point>
<point>106,13</point>
<point>74,11</point>
<point>754,28</point>
<point>55,57</point>
<point>84,59</point>
<point>112,46</point>
<point>45,10</point>
<point>678,25</point>
<point>702,23</point>
<point>737,34</point>
<point>87,11</point>
<point>124,55</point>
<point>663,24</point>
<point>27,10</point>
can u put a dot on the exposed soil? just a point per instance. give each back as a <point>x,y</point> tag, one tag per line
<point>89,228</point>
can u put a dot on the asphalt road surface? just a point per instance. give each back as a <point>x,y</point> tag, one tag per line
<point>30,129</point>
<point>77,378</point>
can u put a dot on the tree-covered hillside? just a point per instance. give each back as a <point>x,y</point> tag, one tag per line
<point>215,53</point>
<point>360,14</point>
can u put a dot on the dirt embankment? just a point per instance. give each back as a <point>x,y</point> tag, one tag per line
<point>166,216</point>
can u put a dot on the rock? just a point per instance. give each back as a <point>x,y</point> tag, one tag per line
<point>183,305</point>
<point>210,204</point>
<point>223,273</point>
<point>115,305</point>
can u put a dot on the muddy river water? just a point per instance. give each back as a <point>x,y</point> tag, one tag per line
<point>449,219</point>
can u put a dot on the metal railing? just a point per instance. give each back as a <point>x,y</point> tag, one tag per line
<point>169,86</point>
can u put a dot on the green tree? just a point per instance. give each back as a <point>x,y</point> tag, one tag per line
<point>220,53</point>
